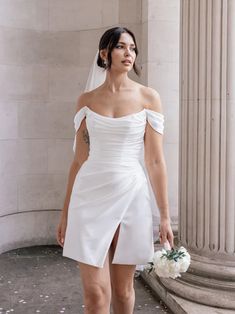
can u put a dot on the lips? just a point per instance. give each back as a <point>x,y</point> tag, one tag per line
<point>126,62</point>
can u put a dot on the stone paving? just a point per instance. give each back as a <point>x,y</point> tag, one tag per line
<point>40,280</point>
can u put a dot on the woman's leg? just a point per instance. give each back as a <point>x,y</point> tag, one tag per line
<point>96,288</point>
<point>123,293</point>
<point>122,283</point>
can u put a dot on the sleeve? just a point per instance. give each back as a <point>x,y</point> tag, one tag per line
<point>156,120</point>
<point>79,116</point>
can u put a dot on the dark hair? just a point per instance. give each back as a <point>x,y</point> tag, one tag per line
<point>109,41</point>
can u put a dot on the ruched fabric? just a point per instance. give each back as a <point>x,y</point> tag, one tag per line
<point>110,189</point>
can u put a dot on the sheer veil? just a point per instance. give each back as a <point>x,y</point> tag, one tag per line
<point>96,75</point>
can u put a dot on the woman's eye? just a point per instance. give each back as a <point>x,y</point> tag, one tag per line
<point>121,46</point>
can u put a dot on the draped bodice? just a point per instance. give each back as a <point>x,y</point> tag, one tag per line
<point>118,138</point>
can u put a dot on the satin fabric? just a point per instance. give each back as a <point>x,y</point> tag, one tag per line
<point>111,188</point>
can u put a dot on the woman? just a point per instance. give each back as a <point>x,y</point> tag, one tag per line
<point>106,221</point>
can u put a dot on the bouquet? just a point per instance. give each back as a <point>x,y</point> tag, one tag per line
<point>169,263</point>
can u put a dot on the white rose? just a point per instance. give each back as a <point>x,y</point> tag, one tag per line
<point>164,267</point>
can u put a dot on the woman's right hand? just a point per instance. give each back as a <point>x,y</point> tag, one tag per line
<point>165,232</point>
<point>61,229</point>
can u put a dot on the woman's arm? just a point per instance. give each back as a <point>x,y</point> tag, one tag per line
<point>80,155</point>
<point>157,171</point>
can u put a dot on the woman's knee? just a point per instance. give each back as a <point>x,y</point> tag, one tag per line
<point>123,294</point>
<point>96,296</point>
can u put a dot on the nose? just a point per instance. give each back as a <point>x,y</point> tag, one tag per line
<point>127,52</point>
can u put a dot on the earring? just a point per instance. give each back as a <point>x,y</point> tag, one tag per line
<point>105,62</point>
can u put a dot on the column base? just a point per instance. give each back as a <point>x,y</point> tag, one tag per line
<point>176,304</point>
<point>207,281</point>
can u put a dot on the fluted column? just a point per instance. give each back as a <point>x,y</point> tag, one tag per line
<point>207,152</point>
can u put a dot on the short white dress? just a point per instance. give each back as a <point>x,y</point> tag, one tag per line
<point>111,188</point>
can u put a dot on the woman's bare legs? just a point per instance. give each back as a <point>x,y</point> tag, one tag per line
<point>113,279</point>
<point>122,283</point>
<point>96,288</point>
<point>123,293</point>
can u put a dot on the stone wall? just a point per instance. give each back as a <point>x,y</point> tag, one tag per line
<point>46,50</point>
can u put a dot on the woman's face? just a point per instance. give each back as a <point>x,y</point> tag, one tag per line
<point>123,55</point>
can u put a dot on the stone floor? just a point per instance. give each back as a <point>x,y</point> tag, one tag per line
<point>40,280</point>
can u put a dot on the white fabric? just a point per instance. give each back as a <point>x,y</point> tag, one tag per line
<point>112,188</point>
<point>96,75</point>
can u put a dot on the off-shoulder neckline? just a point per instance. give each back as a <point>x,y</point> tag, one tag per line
<point>118,118</point>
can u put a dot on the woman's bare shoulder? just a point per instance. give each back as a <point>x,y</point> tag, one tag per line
<point>87,98</point>
<point>83,100</point>
<point>147,91</point>
<point>152,98</point>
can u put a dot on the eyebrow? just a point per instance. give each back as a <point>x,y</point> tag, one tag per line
<point>121,42</point>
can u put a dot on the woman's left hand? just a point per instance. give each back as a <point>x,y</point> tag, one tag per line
<point>165,232</point>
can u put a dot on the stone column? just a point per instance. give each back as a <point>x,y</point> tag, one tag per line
<point>207,152</point>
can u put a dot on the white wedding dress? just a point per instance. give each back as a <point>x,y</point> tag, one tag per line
<point>112,188</point>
